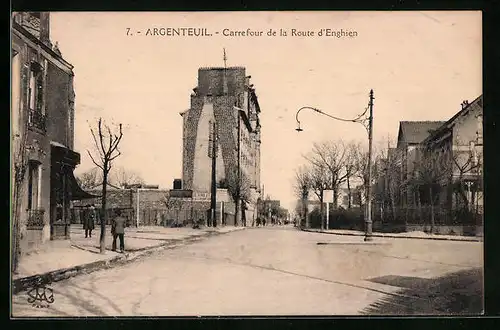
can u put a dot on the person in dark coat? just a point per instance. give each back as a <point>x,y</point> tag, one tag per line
<point>89,221</point>
<point>118,230</point>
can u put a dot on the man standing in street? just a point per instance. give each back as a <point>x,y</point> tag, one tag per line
<point>118,230</point>
<point>89,221</point>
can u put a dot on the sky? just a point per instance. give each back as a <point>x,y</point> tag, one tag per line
<point>421,66</point>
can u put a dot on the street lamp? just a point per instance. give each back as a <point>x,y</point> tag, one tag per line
<point>367,122</point>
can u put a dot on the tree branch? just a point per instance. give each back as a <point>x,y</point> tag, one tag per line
<point>101,138</point>
<point>114,157</point>
<point>96,164</point>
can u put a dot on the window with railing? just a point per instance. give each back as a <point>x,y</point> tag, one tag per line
<point>34,185</point>
<point>36,97</point>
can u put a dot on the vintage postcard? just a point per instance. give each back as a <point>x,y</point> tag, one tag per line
<point>246,163</point>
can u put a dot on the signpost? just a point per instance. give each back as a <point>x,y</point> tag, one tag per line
<point>327,196</point>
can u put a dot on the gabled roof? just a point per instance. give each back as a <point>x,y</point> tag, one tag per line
<point>414,132</point>
<point>453,120</point>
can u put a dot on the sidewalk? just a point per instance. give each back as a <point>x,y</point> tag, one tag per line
<point>411,235</point>
<point>82,255</point>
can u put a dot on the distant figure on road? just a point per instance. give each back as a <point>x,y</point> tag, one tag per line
<point>118,230</point>
<point>89,221</point>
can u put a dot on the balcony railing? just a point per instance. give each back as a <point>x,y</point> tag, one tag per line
<point>37,120</point>
<point>35,218</point>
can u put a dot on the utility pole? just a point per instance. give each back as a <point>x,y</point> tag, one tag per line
<point>238,175</point>
<point>213,199</point>
<point>368,233</point>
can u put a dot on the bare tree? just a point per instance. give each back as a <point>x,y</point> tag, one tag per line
<point>332,157</point>
<point>393,175</point>
<point>302,181</point>
<point>432,168</point>
<point>350,169</point>
<point>465,164</point>
<point>301,186</point>
<point>106,144</point>
<point>90,179</point>
<point>359,158</point>
<point>123,177</point>
<point>239,190</point>
<point>319,182</point>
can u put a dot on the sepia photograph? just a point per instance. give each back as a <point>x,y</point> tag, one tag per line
<point>267,163</point>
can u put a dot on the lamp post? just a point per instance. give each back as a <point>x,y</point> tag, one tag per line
<point>367,122</point>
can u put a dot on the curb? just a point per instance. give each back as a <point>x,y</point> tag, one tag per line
<point>33,281</point>
<point>394,236</point>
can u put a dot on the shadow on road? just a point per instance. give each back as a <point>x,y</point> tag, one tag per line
<point>459,293</point>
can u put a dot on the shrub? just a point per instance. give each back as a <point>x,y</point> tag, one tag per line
<point>352,218</point>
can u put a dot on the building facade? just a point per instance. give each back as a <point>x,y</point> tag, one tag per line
<point>223,100</point>
<point>42,134</point>
<point>434,176</point>
<point>410,136</point>
<point>459,141</point>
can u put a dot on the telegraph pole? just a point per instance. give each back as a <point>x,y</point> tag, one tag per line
<point>368,233</point>
<point>213,199</point>
<point>238,175</point>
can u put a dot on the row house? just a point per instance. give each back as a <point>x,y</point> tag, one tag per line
<point>458,144</point>
<point>42,133</point>
<point>410,136</point>
<point>438,162</point>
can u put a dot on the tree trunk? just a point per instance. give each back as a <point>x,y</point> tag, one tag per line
<point>432,209</point>
<point>104,218</point>
<point>236,211</point>
<point>348,193</point>
<point>16,226</point>
<point>419,204</point>
<point>335,196</point>
<point>393,204</point>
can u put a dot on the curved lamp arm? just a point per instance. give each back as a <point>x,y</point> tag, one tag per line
<point>361,119</point>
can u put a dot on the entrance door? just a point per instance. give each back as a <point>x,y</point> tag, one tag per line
<point>59,201</point>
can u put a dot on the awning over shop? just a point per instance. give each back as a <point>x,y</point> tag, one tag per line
<point>64,156</point>
<point>77,193</point>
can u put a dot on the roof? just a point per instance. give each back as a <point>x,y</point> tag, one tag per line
<point>414,132</point>
<point>208,68</point>
<point>452,121</point>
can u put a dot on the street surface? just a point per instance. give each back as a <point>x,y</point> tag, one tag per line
<point>280,271</point>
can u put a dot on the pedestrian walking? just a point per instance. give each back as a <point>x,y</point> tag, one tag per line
<point>89,221</point>
<point>118,230</point>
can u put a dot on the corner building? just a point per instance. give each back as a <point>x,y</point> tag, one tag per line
<point>223,95</point>
<point>42,134</point>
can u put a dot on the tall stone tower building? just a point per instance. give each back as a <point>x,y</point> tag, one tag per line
<point>226,97</point>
